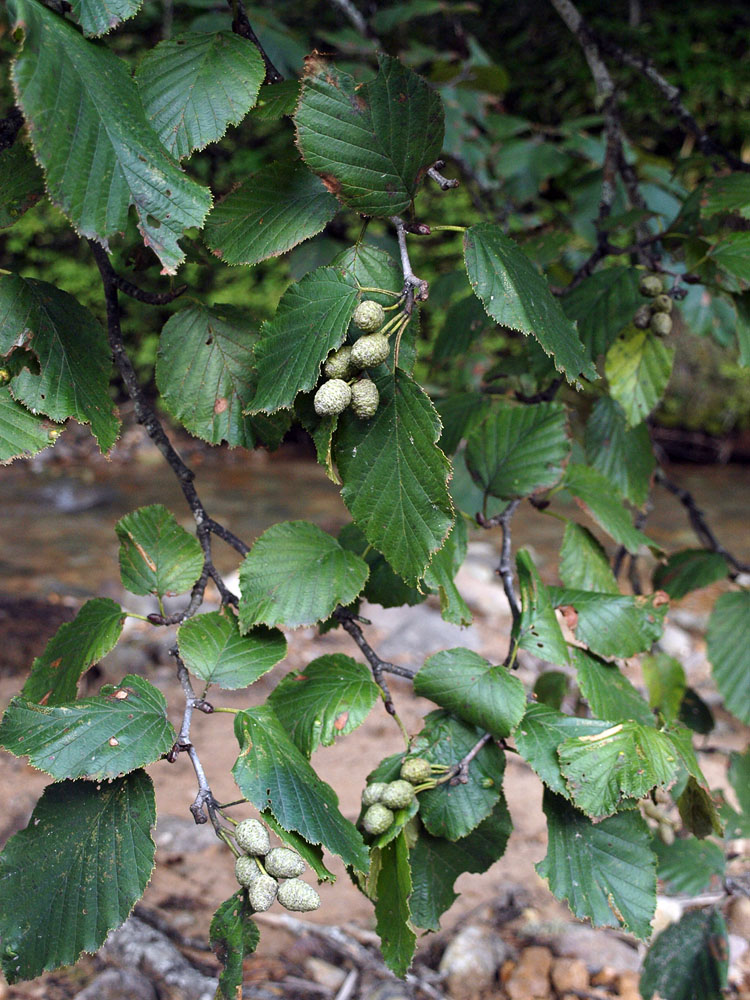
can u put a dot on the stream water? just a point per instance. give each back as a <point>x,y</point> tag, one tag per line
<point>58,518</point>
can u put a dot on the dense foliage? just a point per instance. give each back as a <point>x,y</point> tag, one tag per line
<point>452,351</point>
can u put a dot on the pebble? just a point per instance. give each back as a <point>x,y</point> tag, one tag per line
<point>739,917</point>
<point>531,977</point>
<point>627,986</point>
<point>569,974</point>
<point>597,949</point>
<point>471,961</point>
<point>325,974</point>
<point>118,984</point>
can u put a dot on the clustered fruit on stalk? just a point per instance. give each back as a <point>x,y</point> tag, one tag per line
<point>260,867</point>
<point>342,389</point>
<point>654,316</point>
<point>381,799</point>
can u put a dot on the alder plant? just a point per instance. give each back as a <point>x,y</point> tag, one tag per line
<point>624,794</point>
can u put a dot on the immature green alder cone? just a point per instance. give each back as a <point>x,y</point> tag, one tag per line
<point>662,304</point>
<point>377,819</point>
<point>661,324</point>
<point>642,317</point>
<point>398,794</point>
<point>252,837</point>
<point>373,793</point>
<point>332,397</point>
<point>365,398</point>
<point>283,862</point>
<point>650,285</point>
<point>416,770</point>
<point>261,892</point>
<point>339,364</point>
<point>246,870</point>
<point>298,895</point>
<point>369,316</point>
<point>370,351</point>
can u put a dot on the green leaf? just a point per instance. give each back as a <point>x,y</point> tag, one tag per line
<point>742,328</point>
<point>687,866</point>
<point>271,212</point>
<point>383,586</point>
<point>537,629</point>
<point>157,556</point>
<point>22,433</point>
<point>21,183</point>
<point>612,624</point>
<point>540,733</point>
<point>517,296</point>
<point>97,17</point>
<point>441,572</point>
<point>459,415</point>
<point>471,688</point>
<point>609,693</point>
<point>74,358</point>
<point>233,936</point>
<point>595,495</point>
<point>329,697</point>
<point>123,728</point>
<point>276,100</point>
<point>75,872</point>
<point>214,650</point>
<point>370,142</point>
<point>296,574</point>
<point>193,85</point>
<point>75,647</point>
<point>273,774</point>
<point>395,477</point>
<point>518,449</point>
<point>731,254</point>
<point>436,864</point>
<point>623,762</point>
<point>698,811</point>
<point>739,778</point>
<point>606,870</point>
<point>465,322</point>
<point>695,713</point>
<point>728,648</point>
<point>689,570</point>
<point>729,193</point>
<point>602,305</point>
<point>453,811</point>
<point>624,455</point>
<point>665,680</point>
<point>205,371</point>
<point>311,320</point>
<point>688,960</point>
<point>550,688</point>
<point>397,937</point>
<point>584,563</point>
<point>91,136</point>
<point>638,366</point>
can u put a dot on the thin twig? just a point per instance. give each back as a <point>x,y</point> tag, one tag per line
<point>505,566</point>
<point>707,145</point>
<point>414,287</point>
<point>349,623</point>
<point>461,770</point>
<point>145,415</point>
<point>150,298</point>
<point>348,9</point>
<point>444,183</point>
<point>241,26</point>
<point>698,522</point>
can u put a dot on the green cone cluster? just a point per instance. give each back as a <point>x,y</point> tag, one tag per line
<point>655,315</point>
<point>261,866</point>
<point>382,799</point>
<point>344,386</point>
